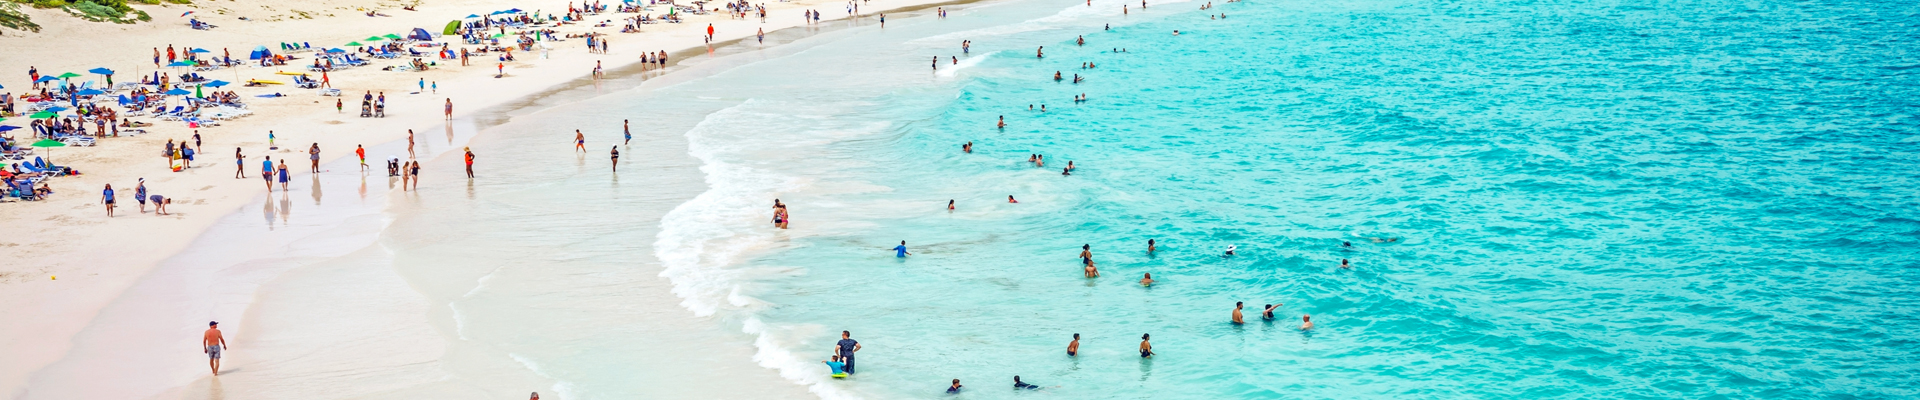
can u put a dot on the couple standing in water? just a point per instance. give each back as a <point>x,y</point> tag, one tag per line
<point>780,217</point>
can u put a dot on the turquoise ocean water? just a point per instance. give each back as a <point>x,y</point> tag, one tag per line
<point>1708,199</point>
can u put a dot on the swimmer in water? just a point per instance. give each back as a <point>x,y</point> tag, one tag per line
<point>1040,160</point>
<point>1076,78</point>
<point>968,148</point>
<point>1345,244</point>
<point>1040,52</point>
<point>1146,349</point>
<point>1069,165</point>
<point>1003,122</point>
<point>1043,108</point>
<point>1176,32</point>
<point>1081,41</point>
<point>956,60</point>
<point>1056,76</point>
<point>1011,200</point>
<point>1073,347</point>
<point>1268,313</point>
<point>1092,272</point>
<point>949,205</point>
<point>955,388</point>
<point>1086,252</point>
<point>1149,246</point>
<point>936,63</point>
<point>1344,265</point>
<point>579,141</point>
<point>1306,322</point>
<point>1017,384</point>
<point>1230,249</point>
<point>1066,171</point>
<point>1147,280</point>
<point>1236,312</point>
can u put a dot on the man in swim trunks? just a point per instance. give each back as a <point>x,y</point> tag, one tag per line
<point>579,141</point>
<point>213,344</point>
<point>1146,349</point>
<point>1073,348</point>
<point>266,172</point>
<point>627,127</point>
<point>1236,313</point>
<point>901,250</point>
<point>845,349</point>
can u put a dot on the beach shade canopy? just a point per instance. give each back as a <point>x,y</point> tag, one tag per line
<point>102,71</point>
<point>90,92</point>
<point>199,51</point>
<point>181,64</point>
<point>473,15</point>
<point>47,78</point>
<point>43,114</point>
<point>391,36</point>
<point>453,27</point>
<point>48,143</point>
<point>420,34</point>
<point>217,83</point>
<point>372,38</point>
<point>177,92</point>
<point>336,50</point>
<point>69,75</point>
<point>355,44</point>
<point>4,128</point>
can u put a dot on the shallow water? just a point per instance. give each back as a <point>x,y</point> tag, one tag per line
<point>1705,199</point>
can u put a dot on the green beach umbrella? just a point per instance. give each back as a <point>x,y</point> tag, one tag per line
<point>354,44</point>
<point>48,143</point>
<point>43,114</point>
<point>69,75</point>
<point>393,36</point>
<point>372,39</point>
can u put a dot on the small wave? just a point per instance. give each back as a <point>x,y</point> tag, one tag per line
<point>964,64</point>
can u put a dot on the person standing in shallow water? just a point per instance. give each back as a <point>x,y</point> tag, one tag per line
<point>616,158</point>
<point>901,250</point>
<point>1146,349</point>
<point>845,348</point>
<point>1073,348</point>
<point>213,344</point>
<point>1237,319</point>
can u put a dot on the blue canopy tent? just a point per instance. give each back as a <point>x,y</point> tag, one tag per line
<point>420,34</point>
<point>259,53</point>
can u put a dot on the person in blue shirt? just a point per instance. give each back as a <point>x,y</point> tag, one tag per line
<point>955,389</point>
<point>901,250</point>
<point>845,349</point>
<point>266,172</point>
<point>839,368</point>
<point>106,197</point>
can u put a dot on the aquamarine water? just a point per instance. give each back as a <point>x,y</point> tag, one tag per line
<point>1707,199</point>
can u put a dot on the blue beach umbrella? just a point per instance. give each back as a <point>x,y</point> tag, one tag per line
<point>177,92</point>
<point>335,50</point>
<point>198,51</point>
<point>101,71</point>
<point>46,78</point>
<point>55,109</point>
<point>4,128</point>
<point>217,83</point>
<point>473,15</point>
<point>90,92</point>
<point>180,64</point>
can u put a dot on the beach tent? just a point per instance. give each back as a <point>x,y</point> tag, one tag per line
<point>452,28</point>
<point>259,53</point>
<point>420,34</point>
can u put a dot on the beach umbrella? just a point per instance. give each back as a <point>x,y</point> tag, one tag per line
<point>69,75</point>
<point>46,78</point>
<point>43,114</point>
<point>101,71</point>
<point>354,44</point>
<point>48,143</point>
<point>217,83</point>
<point>199,51</point>
<point>372,38</point>
<point>181,64</point>
<point>473,15</point>
<point>516,10</point>
<point>392,36</point>
<point>90,92</point>
<point>4,128</point>
<point>56,109</point>
<point>177,92</point>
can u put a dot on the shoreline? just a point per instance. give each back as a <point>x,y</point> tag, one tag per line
<point>75,308</point>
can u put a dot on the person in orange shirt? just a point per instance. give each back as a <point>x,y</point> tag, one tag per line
<point>362,152</point>
<point>469,162</point>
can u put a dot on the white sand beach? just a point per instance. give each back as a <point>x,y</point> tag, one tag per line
<point>106,307</point>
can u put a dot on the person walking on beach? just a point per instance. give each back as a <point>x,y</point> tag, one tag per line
<point>762,35</point>
<point>362,152</point>
<point>283,175</point>
<point>901,250</point>
<point>626,126</point>
<point>313,153</point>
<point>845,348</point>
<point>410,143</point>
<point>1073,347</point>
<point>213,344</point>
<point>616,158</point>
<point>266,172</point>
<point>449,108</point>
<point>579,141</point>
<point>140,195</point>
<point>106,197</point>
<point>469,157</point>
<point>414,171</point>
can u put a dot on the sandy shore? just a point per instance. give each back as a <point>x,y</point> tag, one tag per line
<point>67,261</point>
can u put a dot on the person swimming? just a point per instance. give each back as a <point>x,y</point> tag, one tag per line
<point>968,148</point>
<point>1344,265</point>
<point>1069,165</point>
<point>837,369</point>
<point>1237,320</point>
<point>1147,280</point>
<point>1017,384</point>
<point>1150,246</point>
<point>955,388</point>
<point>1003,122</point>
<point>1040,52</point>
<point>1066,171</point>
<point>1306,322</point>
<point>1230,249</point>
<point>1056,76</point>
<point>1011,200</point>
<point>1092,271</point>
<point>1268,313</point>
<point>1146,349</point>
<point>1073,348</point>
<point>949,205</point>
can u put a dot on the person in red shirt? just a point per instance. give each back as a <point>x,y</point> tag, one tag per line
<point>362,152</point>
<point>469,162</point>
